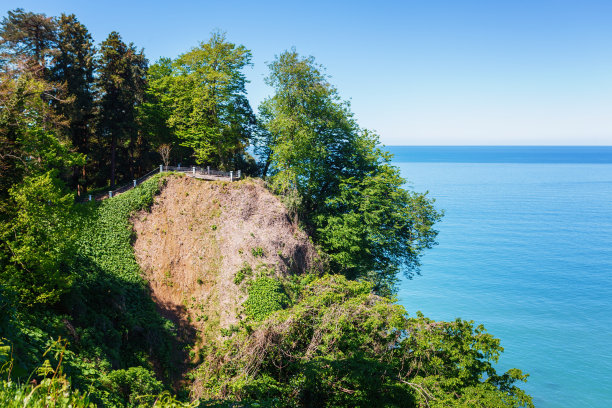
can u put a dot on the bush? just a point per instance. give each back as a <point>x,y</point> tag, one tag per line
<point>257,252</point>
<point>50,393</point>
<point>40,239</point>
<point>266,296</point>
<point>136,385</point>
<point>243,273</point>
<point>340,345</point>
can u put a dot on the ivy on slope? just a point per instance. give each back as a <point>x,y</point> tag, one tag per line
<point>119,346</point>
<point>116,324</point>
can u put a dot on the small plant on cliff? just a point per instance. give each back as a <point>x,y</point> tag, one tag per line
<point>257,252</point>
<point>244,272</point>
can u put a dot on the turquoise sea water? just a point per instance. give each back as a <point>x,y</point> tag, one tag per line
<point>525,248</point>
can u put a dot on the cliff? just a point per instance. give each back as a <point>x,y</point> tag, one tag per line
<point>201,239</point>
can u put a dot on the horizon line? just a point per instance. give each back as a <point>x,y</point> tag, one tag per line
<point>492,145</point>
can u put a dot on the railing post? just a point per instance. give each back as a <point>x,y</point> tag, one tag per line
<point>134,183</point>
<point>193,170</point>
<point>161,168</point>
<point>110,194</point>
<point>208,170</point>
<point>239,174</point>
<point>231,176</point>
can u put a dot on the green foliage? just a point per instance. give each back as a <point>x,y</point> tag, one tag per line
<point>116,320</point>
<point>257,252</point>
<point>134,387</point>
<point>202,96</point>
<point>30,36</point>
<point>73,65</point>
<point>373,228</point>
<point>40,239</point>
<point>49,388</point>
<point>121,80</point>
<point>244,272</point>
<point>137,386</point>
<point>112,321</point>
<point>332,174</point>
<point>7,313</point>
<point>27,147</point>
<point>266,296</point>
<point>50,393</point>
<point>340,345</point>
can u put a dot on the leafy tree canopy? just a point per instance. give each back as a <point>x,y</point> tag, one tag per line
<point>338,180</point>
<point>204,93</point>
<point>28,38</point>
<point>39,240</point>
<point>122,83</point>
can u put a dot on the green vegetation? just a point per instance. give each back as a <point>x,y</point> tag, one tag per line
<point>121,82</point>
<point>77,119</point>
<point>257,252</point>
<point>336,179</point>
<point>244,272</point>
<point>339,345</point>
<point>266,296</point>
<point>39,239</point>
<point>203,96</point>
<point>115,328</point>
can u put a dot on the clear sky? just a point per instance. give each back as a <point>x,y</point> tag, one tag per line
<point>456,72</point>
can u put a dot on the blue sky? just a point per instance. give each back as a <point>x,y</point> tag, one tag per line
<point>432,72</point>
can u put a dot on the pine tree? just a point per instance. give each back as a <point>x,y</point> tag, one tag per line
<point>28,39</point>
<point>73,65</point>
<point>121,82</point>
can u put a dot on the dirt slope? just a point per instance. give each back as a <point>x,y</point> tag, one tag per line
<point>195,238</point>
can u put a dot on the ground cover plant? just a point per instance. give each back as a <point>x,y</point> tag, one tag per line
<point>113,325</point>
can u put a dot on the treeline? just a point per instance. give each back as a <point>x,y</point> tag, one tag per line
<point>108,110</point>
<point>75,117</point>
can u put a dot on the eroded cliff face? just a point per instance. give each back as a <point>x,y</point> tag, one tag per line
<point>198,235</point>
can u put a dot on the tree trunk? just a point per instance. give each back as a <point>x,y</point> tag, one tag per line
<point>113,160</point>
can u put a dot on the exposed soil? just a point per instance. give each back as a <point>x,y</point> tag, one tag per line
<point>195,238</point>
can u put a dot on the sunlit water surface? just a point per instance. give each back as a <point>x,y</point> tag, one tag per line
<point>526,249</point>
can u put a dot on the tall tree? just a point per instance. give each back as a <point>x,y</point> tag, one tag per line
<point>310,130</point>
<point>28,38</point>
<point>34,236</point>
<point>73,65</point>
<point>28,125</point>
<point>155,112</point>
<point>210,110</point>
<point>338,180</point>
<point>121,82</point>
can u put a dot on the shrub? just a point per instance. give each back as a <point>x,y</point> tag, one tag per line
<point>244,272</point>
<point>340,345</point>
<point>266,296</point>
<point>136,385</point>
<point>257,252</point>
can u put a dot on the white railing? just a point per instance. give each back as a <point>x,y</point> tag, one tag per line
<point>191,171</point>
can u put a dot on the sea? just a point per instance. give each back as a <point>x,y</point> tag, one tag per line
<point>525,248</point>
